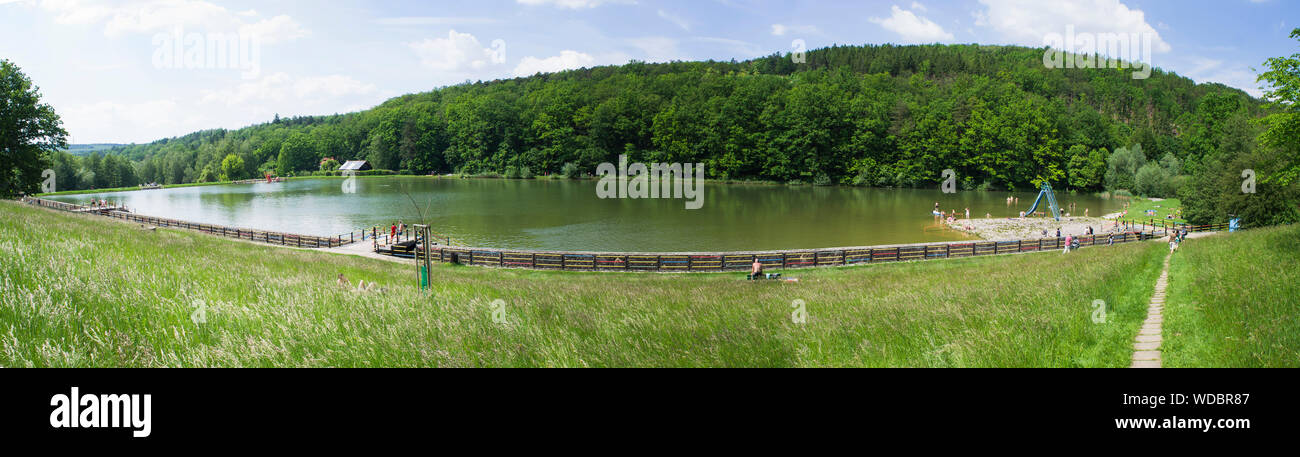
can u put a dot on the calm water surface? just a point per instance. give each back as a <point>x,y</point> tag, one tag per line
<point>567,215</point>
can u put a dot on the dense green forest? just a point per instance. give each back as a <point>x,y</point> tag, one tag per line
<point>886,116</point>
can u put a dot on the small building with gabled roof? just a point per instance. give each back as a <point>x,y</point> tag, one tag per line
<point>355,165</point>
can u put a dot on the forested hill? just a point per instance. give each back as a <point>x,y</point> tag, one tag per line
<point>862,115</point>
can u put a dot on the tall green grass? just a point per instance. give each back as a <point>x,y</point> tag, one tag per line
<point>82,290</point>
<point>1234,301</point>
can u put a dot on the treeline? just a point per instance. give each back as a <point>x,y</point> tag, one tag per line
<point>865,115</point>
<point>884,116</point>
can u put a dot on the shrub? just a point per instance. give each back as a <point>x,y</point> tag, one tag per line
<point>1151,181</point>
<point>570,170</point>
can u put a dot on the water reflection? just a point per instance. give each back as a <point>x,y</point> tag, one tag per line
<point>567,215</point>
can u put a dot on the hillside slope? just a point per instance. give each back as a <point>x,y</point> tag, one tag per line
<point>866,115</point>
<point>80,290</point>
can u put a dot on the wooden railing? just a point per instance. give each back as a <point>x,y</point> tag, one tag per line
<point>261,236</point>
<point>1131,230</point>
<point>736,261</point>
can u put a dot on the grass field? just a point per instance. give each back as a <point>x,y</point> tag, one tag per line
<point>1234,301</point>
<point>1166,207</point>
<point>84,290</point>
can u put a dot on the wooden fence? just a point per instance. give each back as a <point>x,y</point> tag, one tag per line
<point>737,261</point>
<point>261,236</point>
<point>1133,230</point>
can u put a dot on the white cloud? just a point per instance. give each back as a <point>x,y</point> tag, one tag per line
<point>783,29</point>
<point>567,60</point>
<point>280,87</point>
<point>274,30</point>
<point>1030,22</point>
<point>918,7</point>
<point>657,49</point>
<point>674,19</point>
<point>572,4</point>
<point>912,28</point>
<point>331,86</point>
<point>1205,69</point>
<point>149,115</point>
<point>76,12</point>
<point>147,16</point>
<point>458,52</point>
<point>434,20</point>
<point>233,107</point>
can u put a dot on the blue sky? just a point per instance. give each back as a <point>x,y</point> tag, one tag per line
<point>101,63</point>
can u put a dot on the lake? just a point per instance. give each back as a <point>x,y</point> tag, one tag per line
<point>568,215</point>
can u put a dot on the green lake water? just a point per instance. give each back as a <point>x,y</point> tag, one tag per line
<point>568,215</point>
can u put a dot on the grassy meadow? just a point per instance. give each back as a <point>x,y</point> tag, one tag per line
<point>79,290</point>
<point>1163,208</point>
<point>1234,301</point>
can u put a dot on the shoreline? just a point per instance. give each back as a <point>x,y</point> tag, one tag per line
<point>1009,229</point>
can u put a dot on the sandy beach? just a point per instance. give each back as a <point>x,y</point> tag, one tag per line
<point>1030,227</point>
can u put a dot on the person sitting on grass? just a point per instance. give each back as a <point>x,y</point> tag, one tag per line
<point>363,286</point>
<point>343,282</point>
<point>756,270</point>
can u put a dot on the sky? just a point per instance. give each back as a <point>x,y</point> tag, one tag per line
<point>135,71</point>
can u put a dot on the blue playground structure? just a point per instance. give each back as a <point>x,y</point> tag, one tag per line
<point>1051,202</point>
